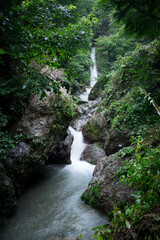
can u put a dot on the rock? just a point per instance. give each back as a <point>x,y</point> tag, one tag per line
<point>61,154</point>
<point>104,190</point>
<point>97,89</point>
<point>7,193</point>
<point>116,141</point>
<point>93,153</point>
<point>97,130</point>
<point>43,128</point>
<point>92,131</point>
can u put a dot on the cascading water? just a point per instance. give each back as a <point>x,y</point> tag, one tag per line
<point>93,71</point>
<point>93,77</point>
<point>52,206</point>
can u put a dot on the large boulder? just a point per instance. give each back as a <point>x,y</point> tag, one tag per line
<point>93,153</point>
<point>112,140</point>
<point>92,131</point>
<point>43,129</point>
<point>116,140</point>
<point>61,154</point>
<point>104,190</point>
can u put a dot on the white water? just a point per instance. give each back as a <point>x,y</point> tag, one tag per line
<point>78,146</point>
<point>93,71</point>
<point>52,206</point>
<point>93,77</point>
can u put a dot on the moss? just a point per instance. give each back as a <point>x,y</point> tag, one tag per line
<point>93,195</point>
<point>98,88</point>
<point>92,130</point>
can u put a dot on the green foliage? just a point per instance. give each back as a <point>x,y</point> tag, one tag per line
<point>7,142</point>
<point>83,8</point>
<point>142,173</point>
<point>140,17</point>
<point>101,232</point>
<point>110,48</point>
<point>67,107</point>
<point>125,151</point>
<point>78,70</point>
<point>147,95</point>
<point>44,32</point>
<point>124,103</point>
<point>130,103</point>
<point>93,195</point>
<point>43,27</point>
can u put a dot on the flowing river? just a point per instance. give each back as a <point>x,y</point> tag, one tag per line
<point>52,206</point>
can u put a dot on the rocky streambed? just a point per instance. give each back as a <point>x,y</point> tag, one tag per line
<point>52,207</point>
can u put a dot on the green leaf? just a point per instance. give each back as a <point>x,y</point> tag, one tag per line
<point>128,224</point>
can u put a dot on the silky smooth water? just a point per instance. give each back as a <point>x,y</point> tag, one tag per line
<point>52,206</point>
<point>93,77</point>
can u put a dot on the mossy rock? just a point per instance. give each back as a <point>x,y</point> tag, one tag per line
<point>92,153</point>
<point>92,131</point>
<point>104,190</point>
<point>97,89</point>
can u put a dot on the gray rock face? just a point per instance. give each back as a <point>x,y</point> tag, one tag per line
<point>116,141</point>
<point>93,153</point>
<point>61,154</point>
<point>41,137</point>
<point>104,190</point>
<point>96,130</point>
<point>43,128</point>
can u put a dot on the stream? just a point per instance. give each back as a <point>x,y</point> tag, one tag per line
<point>52,206</point>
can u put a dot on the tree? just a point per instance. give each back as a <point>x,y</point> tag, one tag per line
<point>141,17</point>
<point>43,31</point>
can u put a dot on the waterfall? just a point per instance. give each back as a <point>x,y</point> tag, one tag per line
<point>93,69</point>
<point>52,206</point>
<point>93,77</point>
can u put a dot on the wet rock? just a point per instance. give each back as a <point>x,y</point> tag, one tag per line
<point>7,195</point>
<point>93,153</point>
<point>116,141</point>
<point>61,154</point>
<point>97,130</point>
<point>104,190</point>
<point>97,89</point>
<point>92,131</point>
<point>43,133</point>
<point>43,128</point>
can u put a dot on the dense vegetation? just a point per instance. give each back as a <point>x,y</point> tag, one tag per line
<point>129,108</point>
<point>35,34</point>
<point>129,85</point>
<point>58,33</point>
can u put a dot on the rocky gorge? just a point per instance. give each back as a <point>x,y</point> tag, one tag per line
<point>110,124</point>
<point>42,129</point>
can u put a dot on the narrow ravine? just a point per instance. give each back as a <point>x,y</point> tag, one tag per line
<point>52,206</point>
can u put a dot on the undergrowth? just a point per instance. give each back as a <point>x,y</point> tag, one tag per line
<point>141,215</point>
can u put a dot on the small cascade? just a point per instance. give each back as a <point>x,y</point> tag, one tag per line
<point>93,77</point>
<point>85,169</point>
<point>52,207</point>
<point>78,145</point>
